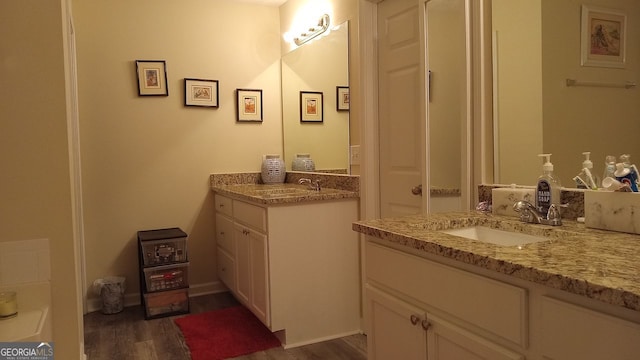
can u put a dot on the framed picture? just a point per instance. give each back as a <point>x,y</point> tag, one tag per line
<point>604,33</point>
<point>200,92</point>
<point>311,106</point>
<point>152,77</point>
<point>249,103</point>
<point>342,98</point>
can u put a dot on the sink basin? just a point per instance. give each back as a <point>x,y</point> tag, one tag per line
<point>495,236</point>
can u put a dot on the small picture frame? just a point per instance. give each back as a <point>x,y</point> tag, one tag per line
<point>201,92</point>
<point>249,105</point>
<point>342,98</point>
<point>152,77</point>
<point>311,106</point>
<point>603,37</point>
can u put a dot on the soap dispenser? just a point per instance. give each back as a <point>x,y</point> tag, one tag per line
<point>590,179</point>
<point>547,187</point>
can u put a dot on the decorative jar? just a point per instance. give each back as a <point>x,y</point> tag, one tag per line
<point>303,162</point>
<point>273,169</point>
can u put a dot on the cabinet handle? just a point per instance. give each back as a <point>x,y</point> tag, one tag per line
<point>221,205</point>
<point>425,324</point>
<point>414,319</point>
<point>221,233</point>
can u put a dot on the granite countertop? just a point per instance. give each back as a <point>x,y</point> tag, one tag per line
<point>601,265</point>
<point>249,187</point>
<point>281,193</point>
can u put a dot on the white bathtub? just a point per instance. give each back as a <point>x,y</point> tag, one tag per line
<point>30,325</point>
<point>33,322</point>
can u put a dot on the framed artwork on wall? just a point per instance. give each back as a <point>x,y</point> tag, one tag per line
<point>152,77</point>
<point>603,37</point>
<point>311,106</point>
<point>201,92</point>
<point>342,98</point>
<point>249,104</point>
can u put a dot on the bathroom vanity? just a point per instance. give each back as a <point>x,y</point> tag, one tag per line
<point>433,295</point>
<point>288,254</point>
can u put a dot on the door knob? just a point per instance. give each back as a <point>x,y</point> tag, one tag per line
<point>417,190</point>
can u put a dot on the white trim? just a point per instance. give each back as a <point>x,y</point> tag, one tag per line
<point>321,339</point>
<point>369,128</point>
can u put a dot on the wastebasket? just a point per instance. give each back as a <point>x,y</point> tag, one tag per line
<point>111,291</point>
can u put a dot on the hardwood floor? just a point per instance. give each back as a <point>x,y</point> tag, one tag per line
<point>128,335</point>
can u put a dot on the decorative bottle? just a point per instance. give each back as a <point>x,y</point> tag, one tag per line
<point>273,169</point>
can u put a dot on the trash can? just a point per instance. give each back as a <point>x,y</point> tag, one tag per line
<point>111,291</point>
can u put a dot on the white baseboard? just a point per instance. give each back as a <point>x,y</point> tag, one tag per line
<point>133,299</point>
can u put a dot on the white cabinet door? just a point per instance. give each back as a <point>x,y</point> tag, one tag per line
<point>259,276</point>
<point>252,274</point>
<point>243,263</point>
<point>394,329</point>
<point>449,342</point>
<point>574,332</point>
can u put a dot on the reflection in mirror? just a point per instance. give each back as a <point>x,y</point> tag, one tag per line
<point>536,48</point>
<point>321,65</point>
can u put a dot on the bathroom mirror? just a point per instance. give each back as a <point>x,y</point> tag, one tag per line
<point>536,48</point>
<point>319,66</point>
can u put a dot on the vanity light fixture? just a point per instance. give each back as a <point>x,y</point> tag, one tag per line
<point>313,32</point>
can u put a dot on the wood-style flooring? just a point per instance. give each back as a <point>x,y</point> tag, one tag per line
<point>128,335</point>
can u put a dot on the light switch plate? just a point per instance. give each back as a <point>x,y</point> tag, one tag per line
<point>355,154</point>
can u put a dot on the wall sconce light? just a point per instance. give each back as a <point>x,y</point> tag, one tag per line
<point>313,32</point>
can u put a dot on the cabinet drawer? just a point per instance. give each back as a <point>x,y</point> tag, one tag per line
<point>223,204</point>
<point>227,269</point>
<point>166,277</point>
<point>224,233</point>
<point>575,332</point>
<point>494,306</point>
<point>167,302</point>
<point>251,215</point>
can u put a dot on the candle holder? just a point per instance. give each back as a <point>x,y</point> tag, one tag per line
<point>8,305</point>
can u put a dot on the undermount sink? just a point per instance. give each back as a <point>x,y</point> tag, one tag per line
<point>495,236</point>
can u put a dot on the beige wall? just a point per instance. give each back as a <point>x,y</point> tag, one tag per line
<point>35,197</point>
<point>146,160</point>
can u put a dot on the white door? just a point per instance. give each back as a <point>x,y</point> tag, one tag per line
<point>401,95</point>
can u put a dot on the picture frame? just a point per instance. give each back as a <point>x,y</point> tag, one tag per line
<point>311,106</point>
<point>152,77</point>
<point>249,105</point>
<point>342,98</point>
<point>603,37</point>
<point>201,92</point>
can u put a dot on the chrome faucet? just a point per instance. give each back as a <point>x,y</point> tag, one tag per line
<point>313,184</point>
<point>529,214</point>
